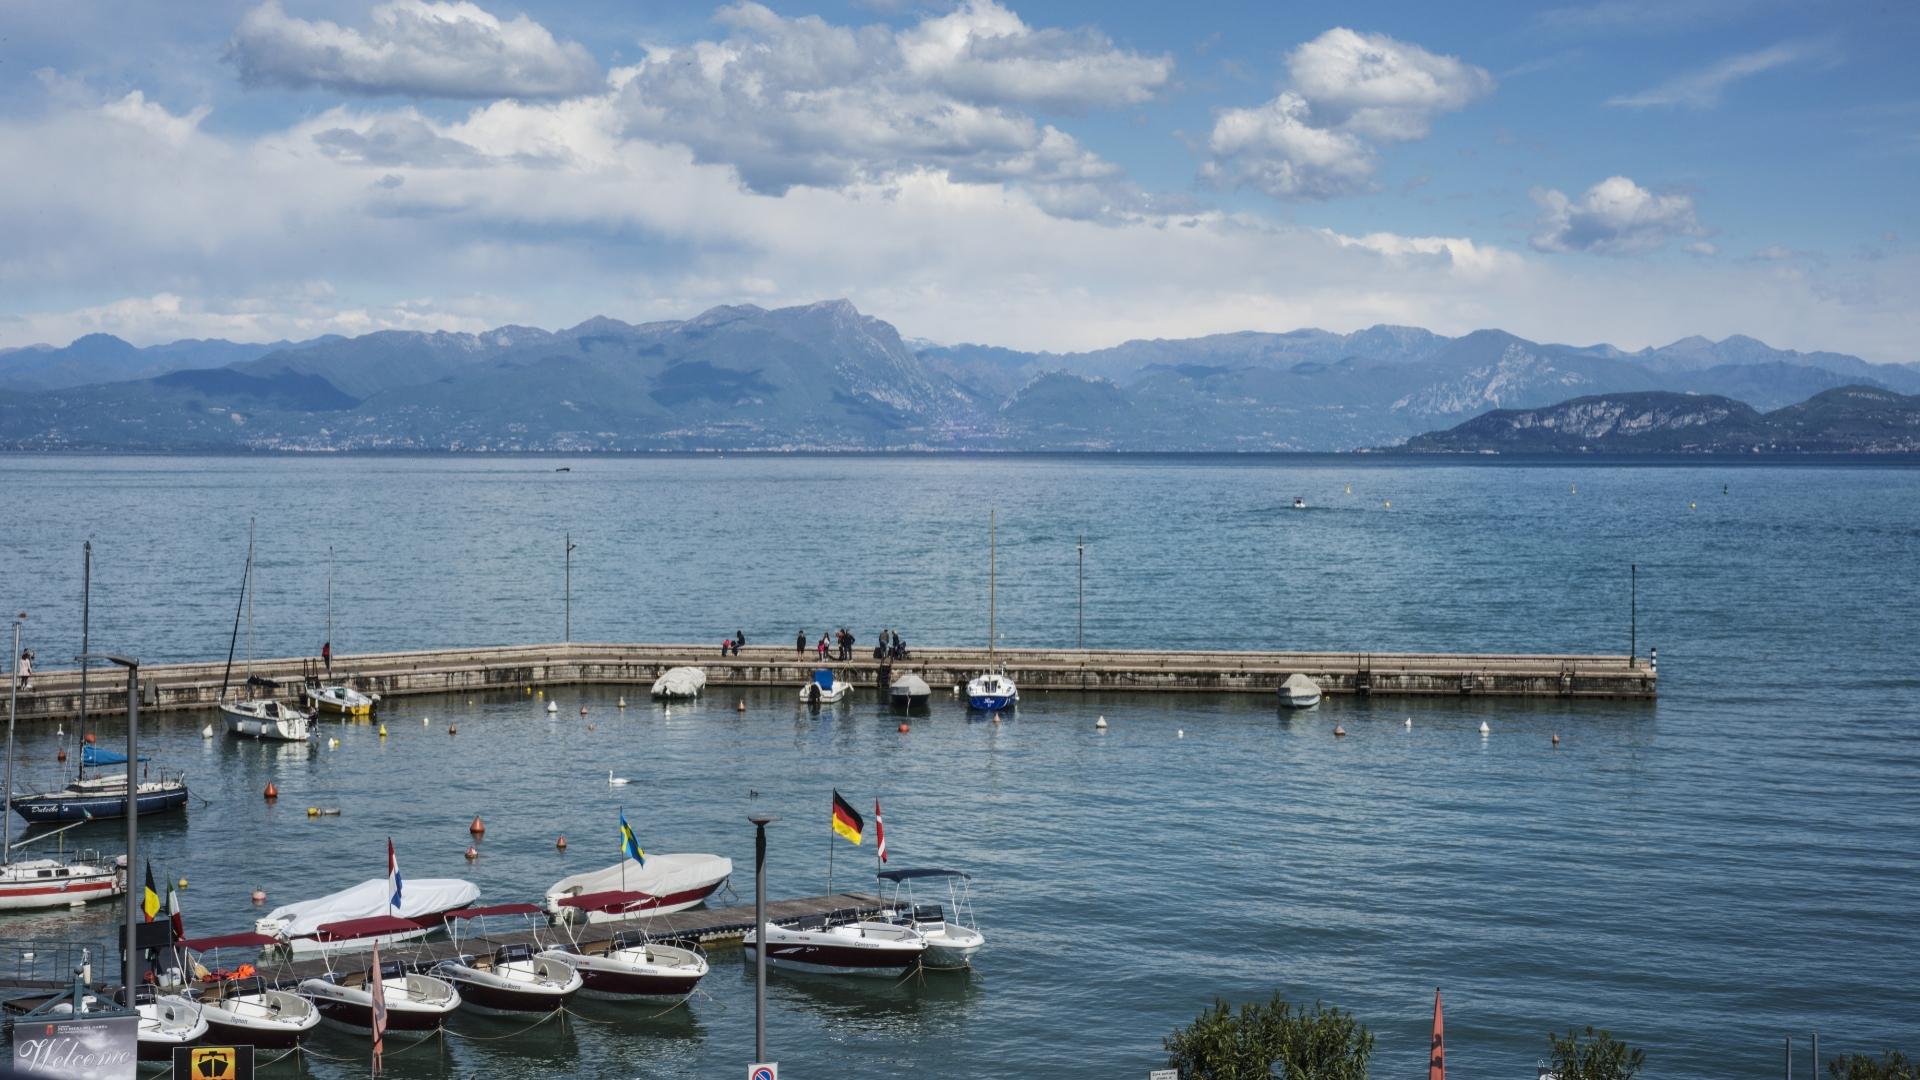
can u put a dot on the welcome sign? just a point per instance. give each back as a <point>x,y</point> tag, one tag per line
<point>77,1048</point>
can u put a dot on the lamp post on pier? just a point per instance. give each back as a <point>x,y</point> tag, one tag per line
<point>129,948</point>
<point>1081,547</point>
<point>569,587</point>
<point>760,823</point>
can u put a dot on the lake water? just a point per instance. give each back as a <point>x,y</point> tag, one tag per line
<point>1704,876</point>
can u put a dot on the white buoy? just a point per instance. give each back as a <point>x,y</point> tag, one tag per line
<point>623,703</point>
<point>1409,723</point>
<point>424,721</point>
<point>1180,733</point>
<point>552,707</point>
<point>333,744</point>
<point>1484,728</point>
<point>207,732</point>
<point>1101,723</point>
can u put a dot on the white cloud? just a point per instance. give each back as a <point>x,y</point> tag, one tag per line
<point>153,118</point>
<point>1615,217</point>
<point>1345,88</point>
<point>984,52</point>
<point>411,47</point>
<point>1703,89</point>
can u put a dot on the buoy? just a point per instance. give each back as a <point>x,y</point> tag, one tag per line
<point>183,883</point>
<point>1409,723</point>
<point>1101,723</point>
<point>1556,738</point>
<point>669,712</point>
<point>528,689</point>
<point>1484,728</point>
<point>313,811</point>
<point>1693,506</point>
<point>623,702</point>
<point>472,853</point>
<point>478,828</point>
<point>589,727</point>
<point>333,744</point>
<point>453,729</point>
<point>1389,504</point>
<point>89,738</point>
<point>1573,489</point>
<point>259,896</point>
<point>561,843</point>
<point>539,693</point>
<point>903,729</point>
<point>1339,732</point>
<point>207,732</point>
<point>1180,733</point>
<point>383,731</point>
<point>424,721</point>
<point>583,710</point>
<point>996,719</point>
<point>740,706</point>
<point>552,707</point>
<point>272,792</point>
<point>62,755</point>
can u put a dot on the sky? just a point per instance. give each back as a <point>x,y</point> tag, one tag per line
<point>1037,175</point>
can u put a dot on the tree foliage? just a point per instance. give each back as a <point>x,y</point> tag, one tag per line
<point>1322,1044</point>
<point>1596,1056</point>
<point>1894,1066</point>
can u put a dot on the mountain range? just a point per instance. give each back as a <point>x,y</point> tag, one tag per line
<point>825,376</point>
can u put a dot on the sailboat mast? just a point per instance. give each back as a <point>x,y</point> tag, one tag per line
<point>329,638</point>
<point>992,580</point>
<point>249,602</point>
<point>13,703</point>
<point>86,611</point>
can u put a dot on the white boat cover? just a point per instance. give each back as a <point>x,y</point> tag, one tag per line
<point>662,876</point>
<point>1298,685</point>
<point>680,682</point>
<point>418,897</point>
<point>909,686</point>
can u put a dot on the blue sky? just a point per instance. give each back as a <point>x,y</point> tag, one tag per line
<point>1050,175</point>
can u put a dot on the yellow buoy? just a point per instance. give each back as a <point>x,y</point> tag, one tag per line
<point>383,731</point>
<point>183,883</point>
<point>313,811</point>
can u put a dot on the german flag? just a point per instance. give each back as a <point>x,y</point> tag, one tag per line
<point>846,820</point>
<point>150,903</point>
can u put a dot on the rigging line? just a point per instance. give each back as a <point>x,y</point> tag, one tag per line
<point>555,1014</point>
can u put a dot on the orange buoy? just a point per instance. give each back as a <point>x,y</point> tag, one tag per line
<point>1339,732</point>
<point>62,755</point>
<point>472,853</point>
<point>903,729</point>
<point>89,738</point>
<point>272,792</point>
<point>259,896</point>
<point>478,828</point>
<point>561,843</point>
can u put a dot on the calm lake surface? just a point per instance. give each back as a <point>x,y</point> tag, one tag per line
<point>1704,876</point>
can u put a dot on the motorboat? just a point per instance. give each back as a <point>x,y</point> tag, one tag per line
<point>951,942</point>
<point>825,688</point>
<point>250,1011</point>
<point>633,966</point>
<point>1299,692</point>
<point>415,1001</point>
<point>909,692</point>
<point>362,916</point>
<point>337,698</point>
<point>266,717</point>
<point>513,978</point>
<point>633,890</point>
<point>166,1020</point>
<point>992,692</point>
<point>1299,503</point>
<point>839,947</point>
<point>54,883</point>
<point>678,683</point>
<point>88,798</point>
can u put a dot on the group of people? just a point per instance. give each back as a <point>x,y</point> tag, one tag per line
<point>839,645</point>
<point>890,647</point>
<point>732,644</point>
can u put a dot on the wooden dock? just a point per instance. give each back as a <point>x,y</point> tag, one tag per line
<point>56,693</point>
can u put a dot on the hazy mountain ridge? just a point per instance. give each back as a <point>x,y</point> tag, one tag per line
<point>826,376</point>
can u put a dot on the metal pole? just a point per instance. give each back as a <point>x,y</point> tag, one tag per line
<point>133,823</point>
<point>1816,1056</point>
<point>13,704</point>
<point>1082,547</point>
<point>569,627</point>
<point>86,612</point>
<point>760,823</point>
<point>1633,607</point>
<point>1789,1058</point>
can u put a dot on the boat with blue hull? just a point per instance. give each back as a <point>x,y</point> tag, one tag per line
<point>993,690</point>
<point>88,798</point>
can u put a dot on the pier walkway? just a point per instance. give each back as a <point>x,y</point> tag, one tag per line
<point>56,693</point>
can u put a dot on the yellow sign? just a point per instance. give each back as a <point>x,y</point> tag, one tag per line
<point>213,1062</point>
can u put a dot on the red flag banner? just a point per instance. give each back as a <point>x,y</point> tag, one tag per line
<point>879,831</point>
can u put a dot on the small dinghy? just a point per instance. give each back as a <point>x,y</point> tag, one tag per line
<point>250,1011</point>
<point>512,979</point>
<point>415,1002</point>
<point>909,692</point>
<point>834,947</point>
<point>632,890</point>
<point>680,683</point>
<point>824,688</point>
<point>1299,692</point>
<point>951,943</point>
<point>633,966</point>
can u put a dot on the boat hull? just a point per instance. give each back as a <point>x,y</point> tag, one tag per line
<point>352,1007</point>
<point>23,889</point>
<point>1299,701</point>
<point>837,960</point>
<point>991,702</point>
<point>504,995</point>
<point>59,806</point>
<point>262,1036</point>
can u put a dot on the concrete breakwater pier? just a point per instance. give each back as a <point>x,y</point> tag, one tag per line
<point>163,687</point>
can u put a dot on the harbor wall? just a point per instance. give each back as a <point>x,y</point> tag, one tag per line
<point>170,687</point>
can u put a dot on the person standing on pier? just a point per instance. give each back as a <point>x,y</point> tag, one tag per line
<point>823,645</point>
<point>326,656</point>
<point>739,639</point>
<point>25,668</point>
<point>800,643</point>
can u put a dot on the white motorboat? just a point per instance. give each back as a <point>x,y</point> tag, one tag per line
<point>825,688</point>
<point>1299,692</point>
<point>1299,503</point>
<point>951,942</point>
<point>362,916</point>
<point>166,1021</point>
<point>632,890</point>
<point>414,1001</point>
<point>336,698</point>
<point>678,683</point>
<point>250,1011</point>
<point>513,978</point>
<point>830,946</point>
<point>633,966</point>
<point>909,692</point>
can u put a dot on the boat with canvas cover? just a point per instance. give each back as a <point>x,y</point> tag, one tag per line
<point>415,1001</point>
<point>513,979</point>
<point>632,890</point>
<point>633,966</point>
<point>909,692</point>
<point>90,798</point>
<point>363,916</point>
<point>1299,692</point>
<point>833,946</point>
<point>951,943</point>
<point>824,688</point>
<point>678,683</point>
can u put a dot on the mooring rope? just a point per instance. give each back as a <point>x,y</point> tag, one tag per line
<point>554,1015</point>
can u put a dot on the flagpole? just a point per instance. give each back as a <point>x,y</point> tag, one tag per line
<point>624,828</point>
<point>829,862</point>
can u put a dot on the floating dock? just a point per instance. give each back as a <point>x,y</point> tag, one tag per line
<point>164,687</point>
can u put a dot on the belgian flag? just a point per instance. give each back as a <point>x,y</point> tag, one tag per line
<point>150,903</point>
<point>847,821</point>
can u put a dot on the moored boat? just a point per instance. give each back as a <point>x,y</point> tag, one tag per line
<point>259,715</point>
<point>512,979</point>
<point>51,883</point>
<point>992,692</point>
<point>633,966</point>
<point>337,698</point>
<point>250,1011</point>
<point>89,797</point>
<point>415,1001</point>
<point>364,915</point>
<point>909,692</point>
<point>631,890</point>
<point>1299,692</point>
<point>951,942</point>
<point>829,946</point>
<point>679,683</point>
<point>825,688</point>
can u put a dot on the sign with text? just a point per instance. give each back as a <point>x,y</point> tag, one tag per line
<point>1163,1074</point>
<point>213,1062</point>
<point>764,1070</point>
<point>77,1048</point>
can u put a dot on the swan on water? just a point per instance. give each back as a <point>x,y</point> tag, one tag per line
<point>615,781</point>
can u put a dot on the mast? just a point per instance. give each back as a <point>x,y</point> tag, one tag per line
<point>329,638</point>
<point>234,642</point>
<point>13,704</point>
<point>86,606</point>
<point>249,592</point>
<point>992,566</point>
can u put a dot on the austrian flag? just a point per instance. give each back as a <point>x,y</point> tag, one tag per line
<point>879,831</point>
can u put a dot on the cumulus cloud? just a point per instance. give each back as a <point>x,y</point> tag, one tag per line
<point>396,139</point>
<point>1703,89</point>
<point>411,47</point>
<point>805,102</point>
<point>1615,217</point>
<point>153,118</point>
<point>1346,91</point>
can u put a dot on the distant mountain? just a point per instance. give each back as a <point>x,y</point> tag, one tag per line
<point>1849,419</point>
<point>825,376</point>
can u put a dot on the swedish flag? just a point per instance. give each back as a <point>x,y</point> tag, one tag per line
<point>630,844</point>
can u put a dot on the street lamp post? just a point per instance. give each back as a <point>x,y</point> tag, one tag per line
<point>760,823</point>
<point>1082,548</point>
<point>128,947</point>
<point>569,627</point>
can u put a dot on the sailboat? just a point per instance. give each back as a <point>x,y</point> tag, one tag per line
<point>330,696</point>
<point>992,691</point>
<point>260,715</point>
